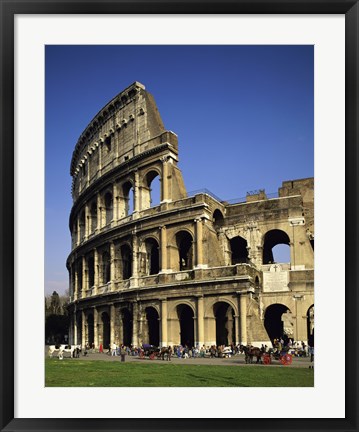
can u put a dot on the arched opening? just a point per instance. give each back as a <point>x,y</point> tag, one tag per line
<point>310,322</point>
<point>126,255</point>
<point>225,323</point>
<point>93,216</point>
<point>312,243</point>
<point>153,326</point>
<point>239,250</point>
<point>152,257</point>
<point>91,272</point>
<point>127,327</point>
<point>90,329</point>
<point>185,316</point>
<point>275,321</point>
<point>274,238</point>
<point>128,199</point>
<point>257,287</point>
<point>185,250</point>
<point>79,277</point>
<point>82,225</point>
<point>151,193</point>
<point>106,331</point>
<point>218,219</point>
<point>108,207</point>
<point>106,267</point>
<point>79,329</point>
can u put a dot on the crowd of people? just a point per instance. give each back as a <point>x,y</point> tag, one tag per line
<point>284,343</point>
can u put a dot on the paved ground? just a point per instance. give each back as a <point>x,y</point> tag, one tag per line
<point>237,360</point>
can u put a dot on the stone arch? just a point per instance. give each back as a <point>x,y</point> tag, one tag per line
<point>126,260</point>
<point>271,239</point>
<point>127,198</point>
<point>150,198</point>
<point>91,271</point>
<point>225,323</point>
<point>276,324</point>
<point>106,267</point>
<point>108,206</point>
<point>186,315</point>
<point>239,251</point>
<point>172,312</point>
<point>90,329</point>
<point>93,216</point>
<point>106,330</point>
<point>153,326</point>
<point>218,218</point>
<point>152,262</point>
<point>127,320</point>
<point>208,312</point>
<point>184,244</point>
<point>82,220</point>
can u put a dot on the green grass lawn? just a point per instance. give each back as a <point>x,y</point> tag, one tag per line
<point>97,373</point>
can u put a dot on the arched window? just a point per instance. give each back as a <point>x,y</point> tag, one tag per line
<point>126,255</point>
<point>127,205</point>
<point>108,207</point>
<point>218,219</point>
<point>185,250</point>
<point>82,225</point>
<point>276,247</point>
<point>239,250</point>
<point>152,256</point>
<point>106,267</point>
<point>151,190</point>
<point>91,272</point>
<point>93,216</point>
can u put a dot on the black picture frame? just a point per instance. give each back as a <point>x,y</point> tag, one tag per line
<point>9,8</point>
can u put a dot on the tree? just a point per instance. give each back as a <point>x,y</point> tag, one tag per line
<point>55,304</point>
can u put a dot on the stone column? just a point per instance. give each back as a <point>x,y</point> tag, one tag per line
<point>243,317</point>
<point>112,265</point>
<point>76,287</point>
<point>163,241</point>
<point>199,243</point>
<point>134,255</point>
<point>163,341</point>
<point>87,221</point>
<point>237,329</point>
<point>112,323</point>
<point>136,190</point>
<point>164,184</point>
<point>135,324</point>
<point>95,327</point>
<point>78,232</point>
<point>115,203</point>
<point>84,278</point>
<point>75,329</point>
<point>99,212</point>
<point>200,320</point>
<point>96,272</point>
<point>84,336</point>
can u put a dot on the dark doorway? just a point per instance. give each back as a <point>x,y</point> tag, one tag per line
<point>185,314</point>
<point>127,327</point>
<point>126,255</point>
<point>239,250</point>
<point>185,250</point>
<point>273,320</point>
<point>153,261</point>
<point>90,329</point>
<point>153,326</point>
<point>106,330</point>
<point>225,332</point>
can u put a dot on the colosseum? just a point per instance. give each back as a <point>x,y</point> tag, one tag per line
<point>191,270</point>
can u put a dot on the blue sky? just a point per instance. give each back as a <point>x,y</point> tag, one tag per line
<point>244,116</point>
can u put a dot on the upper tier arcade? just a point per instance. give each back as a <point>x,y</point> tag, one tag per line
<point>126,131</point>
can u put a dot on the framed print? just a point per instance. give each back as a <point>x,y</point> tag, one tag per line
<point>97,207</point>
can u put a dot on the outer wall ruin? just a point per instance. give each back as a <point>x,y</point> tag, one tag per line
<point>191,270</point>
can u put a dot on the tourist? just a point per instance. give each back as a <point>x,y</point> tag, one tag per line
<point>123,353</point>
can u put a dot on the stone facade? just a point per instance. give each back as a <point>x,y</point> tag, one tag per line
<point>191,270</point>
